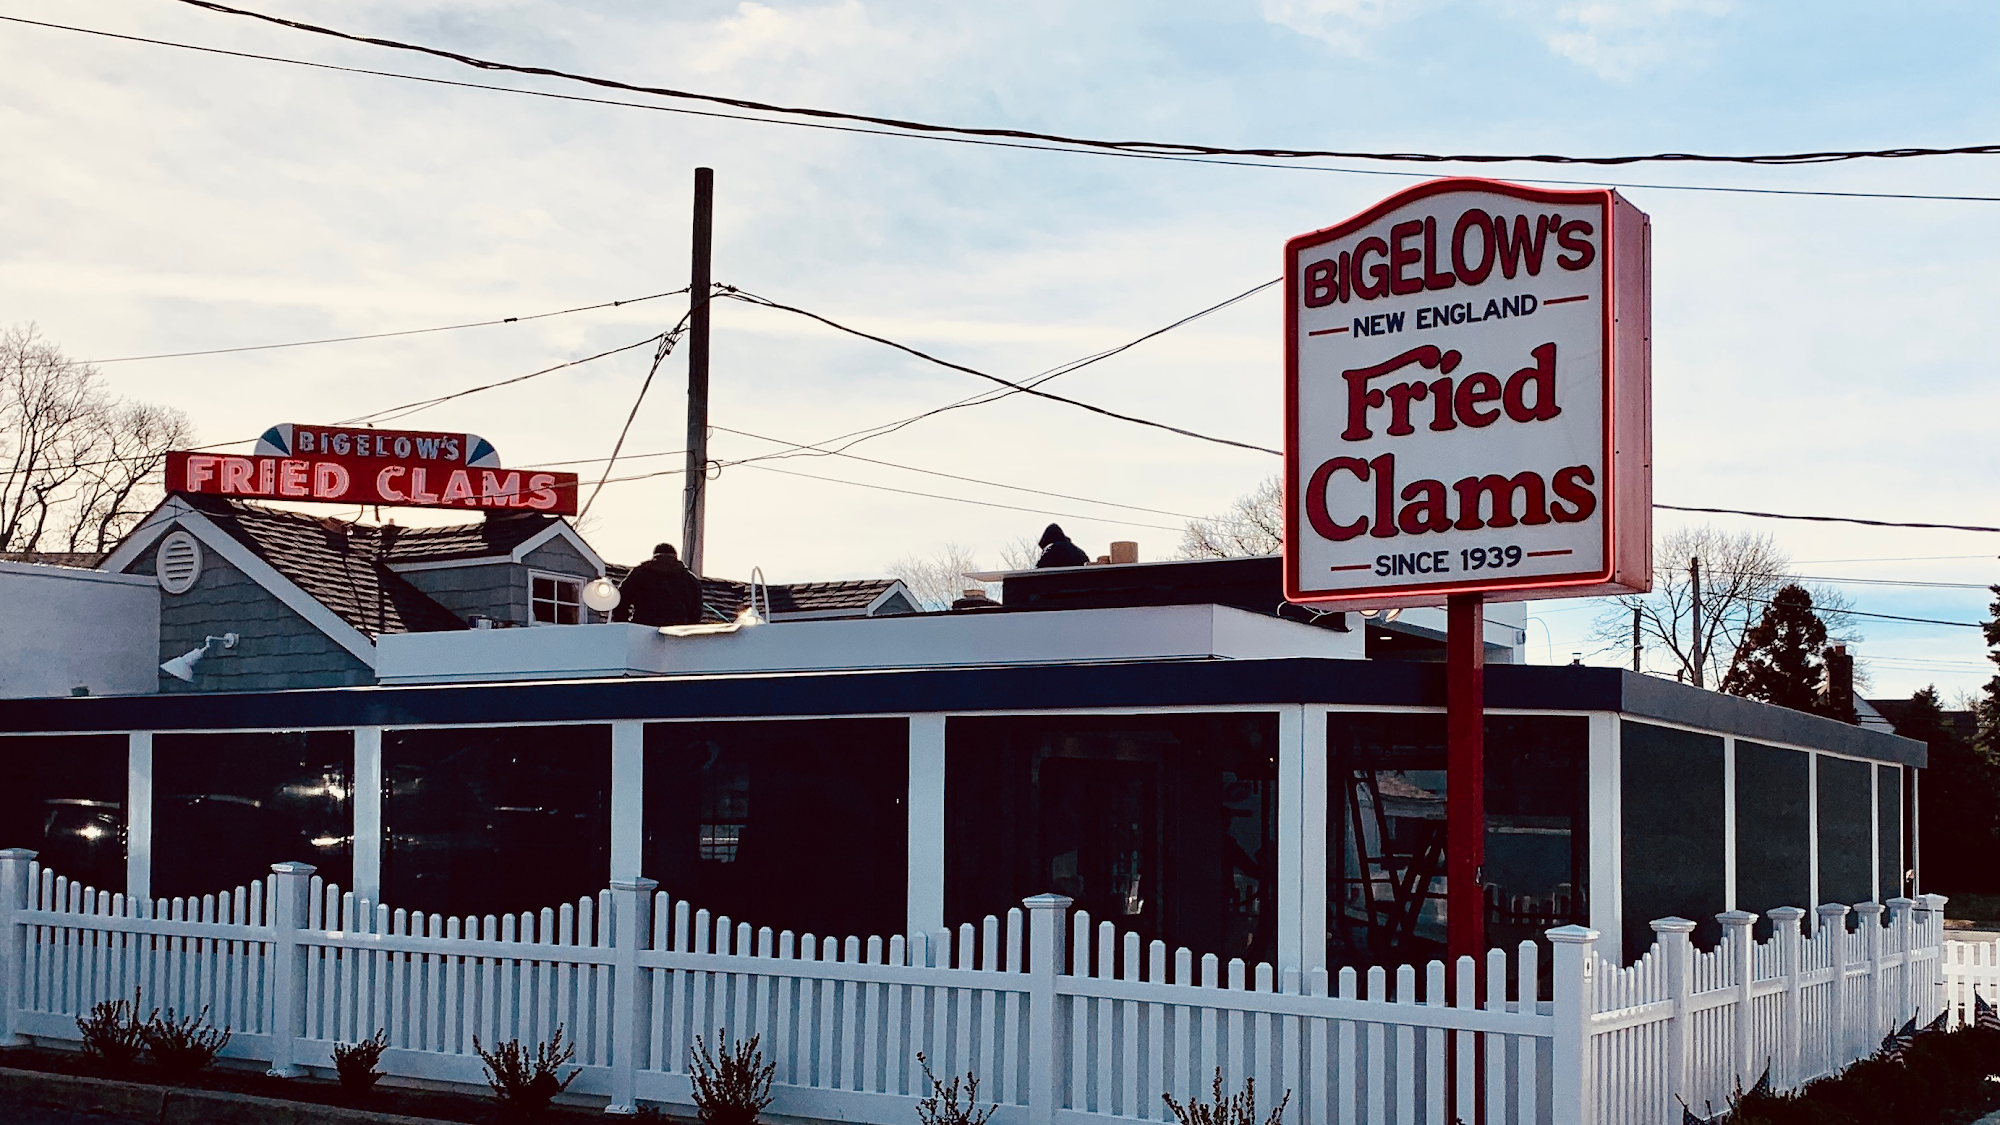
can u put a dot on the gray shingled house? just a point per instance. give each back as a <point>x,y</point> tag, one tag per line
<point>308,596</point>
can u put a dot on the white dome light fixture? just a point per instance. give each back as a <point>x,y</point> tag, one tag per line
<point>601,594</point>
<point>182,667</point>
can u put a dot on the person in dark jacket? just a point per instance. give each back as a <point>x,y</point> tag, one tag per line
<point>660,591</point>
<point>1057,550</point>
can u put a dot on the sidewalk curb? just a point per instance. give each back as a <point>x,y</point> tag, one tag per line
<point>137,1101</point>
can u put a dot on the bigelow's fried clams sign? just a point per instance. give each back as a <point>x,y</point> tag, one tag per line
<point>1467,398</point>
<point>391,468</point>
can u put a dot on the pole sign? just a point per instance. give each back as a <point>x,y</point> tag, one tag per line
<point>390,468</point>
<point>1467,398</point>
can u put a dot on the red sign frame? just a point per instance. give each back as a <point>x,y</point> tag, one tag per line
<point>1626,425</point>
<point>372,481</point>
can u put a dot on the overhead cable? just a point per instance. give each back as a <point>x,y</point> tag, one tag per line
<point>1166,147</point>
<point>982,141</point>
<point>667,341</point>
<point>1832,519</point>
<point>947,476</point>
<point>387,335</point>
<point>958,499</point>
<point>409,408</point>
<point>751,298</point>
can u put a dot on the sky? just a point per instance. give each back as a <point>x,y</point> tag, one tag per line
<point>1812,354</point>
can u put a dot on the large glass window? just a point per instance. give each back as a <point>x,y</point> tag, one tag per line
<point>1163,824</point>
<point>1773,830</point>
<point>1670,831</point>
<point>65,798</point>
<point>1386,840</point>
<point>228,806</point>
<point>1846,831</point>
<point>490,820</point>
<point>796,825</point>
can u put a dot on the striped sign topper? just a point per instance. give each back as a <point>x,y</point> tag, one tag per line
<point>1466,394</point>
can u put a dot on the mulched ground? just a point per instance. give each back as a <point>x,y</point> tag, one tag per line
<point>437,1105</point>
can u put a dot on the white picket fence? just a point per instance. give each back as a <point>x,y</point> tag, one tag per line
<point>1064,1022</point>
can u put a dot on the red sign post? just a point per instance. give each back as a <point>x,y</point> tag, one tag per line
<point>1467,418</point>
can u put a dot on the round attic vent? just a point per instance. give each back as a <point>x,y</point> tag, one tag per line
<point>178,562</point>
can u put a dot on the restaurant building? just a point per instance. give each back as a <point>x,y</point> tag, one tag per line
<point>433,718</point>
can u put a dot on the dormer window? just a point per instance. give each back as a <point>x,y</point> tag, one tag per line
<point>554,599</point>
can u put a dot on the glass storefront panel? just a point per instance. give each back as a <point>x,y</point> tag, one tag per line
<point>228,806</point>
<point>1163,824</point>
<point>65,798</point>
<point>490,820</point>
<point>796,824</point>
<point>1386,841</point>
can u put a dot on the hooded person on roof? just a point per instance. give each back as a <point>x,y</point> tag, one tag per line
<point>1057,550</point>
<point>660,591</point>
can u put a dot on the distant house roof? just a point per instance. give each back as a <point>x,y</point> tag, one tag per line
<point>83,560</point>
<point>855,597</point>
<point>495,535</point>
<point>340,564</point>
<point>1964,724</point>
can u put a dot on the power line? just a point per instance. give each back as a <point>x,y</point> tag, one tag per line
<point>1023,388</point>
<point>387,335</point>
<point>409,408</point>
<point>1166,147</point>
<point>667,341</point>
<point>1831,519</point>
<point>1889,582</point>
<point>1878,616</point>
<point>958,499</point>
<point>1897,558</point>
<point>986,142</point>
<point>947,476</point>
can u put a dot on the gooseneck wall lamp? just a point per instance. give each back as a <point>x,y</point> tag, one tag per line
<point>182,667</point>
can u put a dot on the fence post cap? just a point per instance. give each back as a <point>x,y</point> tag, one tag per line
<point>1672,926</point>
<point>1736,918</point>
<point>1784,914</point>
<point>18,855</point>
<point>636,883</point>
<point>299,869</point>
<point>1830,910</point>
<point>1868,908</point>
<point>1900,903</point>
<point>1047,902</point>
<point>1567,935</point>
<point>1931,902</point>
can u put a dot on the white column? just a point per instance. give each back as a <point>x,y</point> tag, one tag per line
<point>925,894</point>
<point>1301,889</point>
<point>1605,852</point>
<point>1875,833</point>
<point>367,849</point>
<point>1812,832</point>
<point>139,816</point>
<point>628,799</point>
<point>1728,824</point>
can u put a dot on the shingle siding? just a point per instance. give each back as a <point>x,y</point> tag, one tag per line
<point>278,648</point>
<point>560,556</point>
<point>497,590</point>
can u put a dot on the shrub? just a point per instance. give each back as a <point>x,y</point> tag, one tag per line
<point>184,1046</point>
<point>942,1106</point>
<point>525,1083</point>
<point>113,1033</point>
<point>1236,1109</point>
<point>1942,1077</point>
<point>355,1062</point>
<point>731,1086</point>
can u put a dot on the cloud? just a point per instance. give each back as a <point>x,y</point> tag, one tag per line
<point>1620,40</point>
<point>1340,24</point>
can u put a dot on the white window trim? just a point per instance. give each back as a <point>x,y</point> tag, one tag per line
<point>582,611</point>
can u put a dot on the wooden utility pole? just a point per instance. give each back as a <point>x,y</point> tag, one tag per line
<point>695,494</point>
<point>1694,630</point>
<point>1465,776</point>
<point>1636,647</point>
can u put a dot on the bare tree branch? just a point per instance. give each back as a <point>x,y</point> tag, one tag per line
<point>1253,525</point>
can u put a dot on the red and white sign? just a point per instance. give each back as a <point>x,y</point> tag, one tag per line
<point>1467,398</point>
<point>390,468</point>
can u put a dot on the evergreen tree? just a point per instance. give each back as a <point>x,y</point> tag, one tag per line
<point>1779,660</point>
<point>1960,793</point>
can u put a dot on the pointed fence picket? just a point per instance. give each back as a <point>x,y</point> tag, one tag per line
<point>1064,1020</point>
